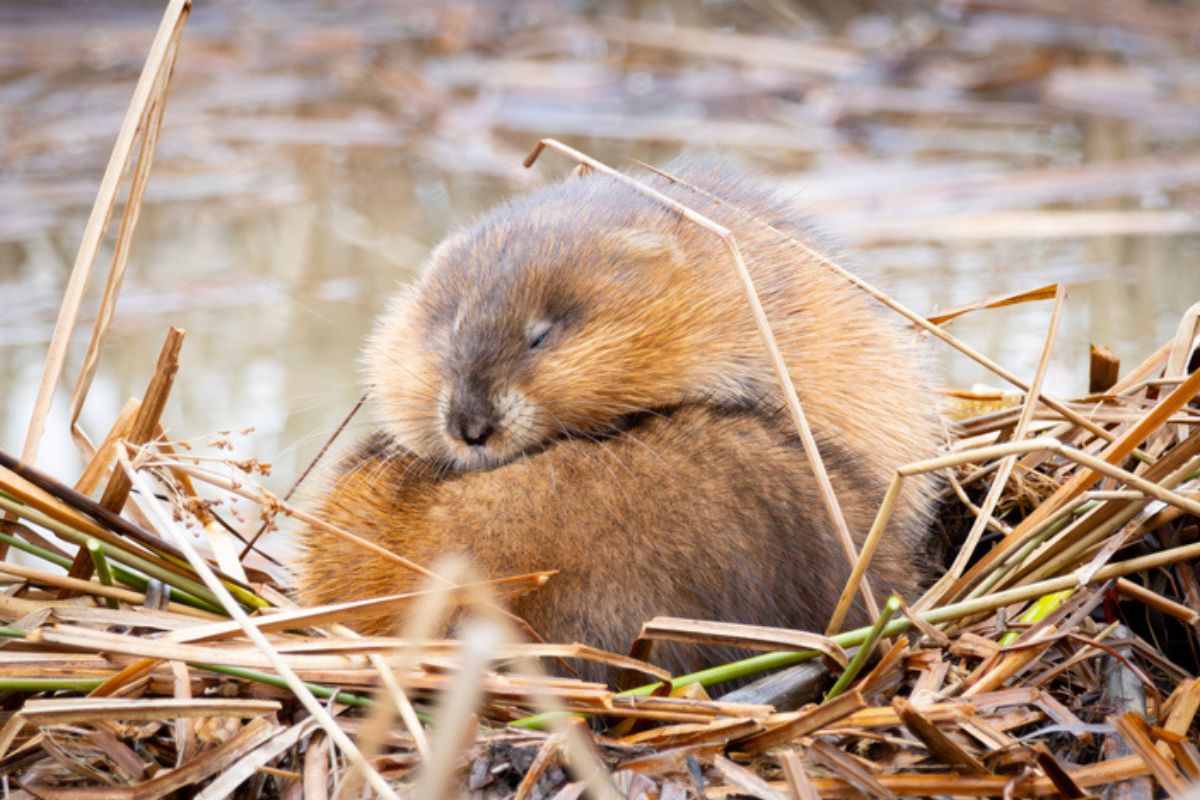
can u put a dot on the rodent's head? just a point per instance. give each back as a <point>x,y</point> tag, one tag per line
<point>542,320</point>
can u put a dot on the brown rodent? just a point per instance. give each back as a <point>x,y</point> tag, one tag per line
<point>693,512</point>
<point>575,340</point>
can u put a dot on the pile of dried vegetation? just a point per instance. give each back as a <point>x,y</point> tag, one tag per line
<point>143,656</point>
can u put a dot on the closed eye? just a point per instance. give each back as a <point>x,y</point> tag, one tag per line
<point>538,333</point>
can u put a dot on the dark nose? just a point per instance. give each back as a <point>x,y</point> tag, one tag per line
<point>473,425</point>
<point>475,432</point>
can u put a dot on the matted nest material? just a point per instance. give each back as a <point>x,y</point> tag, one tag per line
<point>146,653</point>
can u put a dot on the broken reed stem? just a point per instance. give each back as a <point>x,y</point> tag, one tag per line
<point>146,420</point>
<point>1115,453</point>
<point>1134,591</point>
<point>97,467</point>
<point>1095,466</point>
<point>102,568</point>
<point>783,376</point>
<point>1000,481</point>
<point>93,235</point>
<point>150,124</point>
<point>147,500</point>
<point>144,424</point>
<point>864,651</point>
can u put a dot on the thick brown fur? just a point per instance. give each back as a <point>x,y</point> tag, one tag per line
<point>635,440</point>
<point>647,313</point>
<point>697,512</point>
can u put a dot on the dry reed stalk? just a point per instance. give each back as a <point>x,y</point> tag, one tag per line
<point>1115,453</point>
<point>912,316</point>
<point>458,711</point>
<point>797,779</point>
<point>1048,292</point>
<point>97,468</point>
<point>968,547</point>
<point>150,124</point>
<point>423,622</point>
<point>150,90</point>
<point>144,424</point>
<point>750,637</point>
<point>782,375</point>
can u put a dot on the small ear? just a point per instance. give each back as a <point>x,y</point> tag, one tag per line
<point>646,244</point>
<point>449,243</point>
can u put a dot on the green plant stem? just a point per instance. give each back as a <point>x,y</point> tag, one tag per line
<point>324,692</point>
<point>103,570</point>
<point>34,550</point>
<point>864,651</point>
<point>181,584</point>
<point>122,575</point>
<point>246,598</point>
<point>1040,609</point>
<point>88,684</point>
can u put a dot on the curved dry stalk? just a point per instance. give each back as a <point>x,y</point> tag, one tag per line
<point>150,124</point>
<point>168,33</point>
<point>795,409</point>
<point>915,318</point>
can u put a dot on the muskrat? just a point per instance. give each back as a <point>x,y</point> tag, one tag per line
<point>576,383</point>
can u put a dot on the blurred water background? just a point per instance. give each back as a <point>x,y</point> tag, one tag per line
<point>313,152</point>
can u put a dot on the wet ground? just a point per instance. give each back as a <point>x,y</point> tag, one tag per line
<point>313,152</point>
